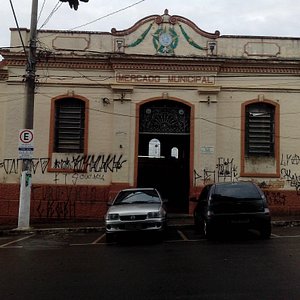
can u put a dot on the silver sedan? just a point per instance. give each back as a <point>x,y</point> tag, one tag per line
<point>133,210</point>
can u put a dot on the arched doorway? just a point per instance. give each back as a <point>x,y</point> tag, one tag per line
<point>164,151</point>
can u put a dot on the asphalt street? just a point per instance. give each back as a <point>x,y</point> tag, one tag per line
<point>183,266</point>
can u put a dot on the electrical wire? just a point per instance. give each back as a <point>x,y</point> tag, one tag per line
<point>17,24</point>
<point>40,13</point>
<point>108,15</point>
<point>54,10</point>
<point>135,116</point>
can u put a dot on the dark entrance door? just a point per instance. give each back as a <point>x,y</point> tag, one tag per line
<point>164,151</point>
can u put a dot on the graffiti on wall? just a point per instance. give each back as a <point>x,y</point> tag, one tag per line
<point>91,163</point>
<point>290,159</point>
<point>225,171</point>
<point>13,165</point>
<point>74,178</point>
<point>79,163</point>
<point>59,201</point>
<point>288,171</point>
<point>275,198</point>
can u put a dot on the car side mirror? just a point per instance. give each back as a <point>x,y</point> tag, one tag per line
<point>165,200</point>
<point>109,203</point>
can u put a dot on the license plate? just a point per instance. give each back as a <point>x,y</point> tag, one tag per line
<point>133,226</point>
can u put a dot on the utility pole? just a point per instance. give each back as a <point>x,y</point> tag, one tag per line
<point>25,188</point>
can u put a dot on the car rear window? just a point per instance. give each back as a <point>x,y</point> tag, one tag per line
<point>128,197</point>
<point>223,192</point>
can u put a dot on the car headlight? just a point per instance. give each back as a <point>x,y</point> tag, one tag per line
<point>112,217</point>
<point>154,214</point>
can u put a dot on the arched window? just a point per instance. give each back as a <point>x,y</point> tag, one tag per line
<point>69,128</point>
<point>259,129</point>
<point>154,148</point>
<point>260,139</point>
<point>174,152</point>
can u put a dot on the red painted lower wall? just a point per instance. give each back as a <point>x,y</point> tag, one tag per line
<point>85,202</point>
<point>281,202</point>
<point>58,202</point>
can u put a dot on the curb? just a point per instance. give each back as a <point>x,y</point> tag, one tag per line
<point>42,231</point>
<point>7,232</point>
<point>292,223</point>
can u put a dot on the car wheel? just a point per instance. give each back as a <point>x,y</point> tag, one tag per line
<point>265,232</point>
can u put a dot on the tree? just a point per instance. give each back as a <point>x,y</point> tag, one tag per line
<point>74,3</point>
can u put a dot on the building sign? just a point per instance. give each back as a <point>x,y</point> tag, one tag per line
<point>207,149</point>
<point>26,144</point>
<point>163,79</point>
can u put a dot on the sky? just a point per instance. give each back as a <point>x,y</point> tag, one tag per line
<point>230,17</point>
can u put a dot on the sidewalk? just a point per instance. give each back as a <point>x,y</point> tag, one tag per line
<point>174,220</point>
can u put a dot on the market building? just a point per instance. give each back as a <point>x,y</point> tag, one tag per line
<point>163,104</point>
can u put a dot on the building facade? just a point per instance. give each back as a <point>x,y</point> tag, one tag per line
<point>161,104</point>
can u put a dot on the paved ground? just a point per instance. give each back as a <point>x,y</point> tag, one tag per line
<point>185,266</point>
<point>94,225</point>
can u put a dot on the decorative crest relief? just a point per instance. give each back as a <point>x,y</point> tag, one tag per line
<point>168,32</point>
<point>165,40</point>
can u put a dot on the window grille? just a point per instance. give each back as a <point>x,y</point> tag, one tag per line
<point>260,129</point>
<point>69,125</point>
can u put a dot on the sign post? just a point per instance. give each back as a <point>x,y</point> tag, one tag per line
<point>26,147</point>
<point>25,195</point>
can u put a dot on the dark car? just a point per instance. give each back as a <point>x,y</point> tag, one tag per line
<point>226,206</point>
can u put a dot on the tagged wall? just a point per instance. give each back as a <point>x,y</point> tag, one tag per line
<point>223,79</point>
<point>57,202</point>
<point>72,195</point>
<point>283,194</point>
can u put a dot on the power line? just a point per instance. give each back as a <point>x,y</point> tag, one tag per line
<point>54,10</point>
<point>40,13</point>
<point>17,24</point>
<point>108,15</point>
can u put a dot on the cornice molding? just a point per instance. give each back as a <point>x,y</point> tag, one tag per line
<point>3,76</point>
<point>165,18</point>
<point>133,28</point>
<point>157,63</point>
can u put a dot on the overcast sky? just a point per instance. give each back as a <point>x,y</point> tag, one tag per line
<point>230,17</point>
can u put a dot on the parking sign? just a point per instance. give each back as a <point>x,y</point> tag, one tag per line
<point>26,139</point>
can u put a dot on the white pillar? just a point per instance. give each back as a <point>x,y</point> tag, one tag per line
<point>24,206</point>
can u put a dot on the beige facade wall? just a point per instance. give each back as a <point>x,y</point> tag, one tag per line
<point>131,67</point>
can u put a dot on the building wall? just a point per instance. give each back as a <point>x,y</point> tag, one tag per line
<point>114,73</point>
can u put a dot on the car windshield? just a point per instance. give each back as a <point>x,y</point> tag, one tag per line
<point>137,197</point>
<point>235,191</point>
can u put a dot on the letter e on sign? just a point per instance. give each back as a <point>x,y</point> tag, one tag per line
<point>26,137</point>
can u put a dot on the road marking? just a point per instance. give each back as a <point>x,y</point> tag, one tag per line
<point>183,236</point>
<point>98,239</point>
<point>275,235</point>
<point>84,244</point>
<point>16,241</point>
<point>183,241</point>
<point>95,242</point>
